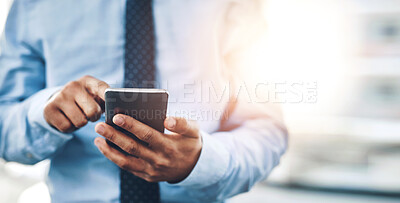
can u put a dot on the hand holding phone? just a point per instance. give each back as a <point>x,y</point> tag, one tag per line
<point>138,145</point>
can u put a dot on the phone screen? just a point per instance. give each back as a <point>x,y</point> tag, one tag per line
<point>148,106</point>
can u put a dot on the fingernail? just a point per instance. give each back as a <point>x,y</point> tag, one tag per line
<point>100,129</point>
<point>97,142</point>
<point>98,145</point>
<point>118,120</point>
<point>171,123</point>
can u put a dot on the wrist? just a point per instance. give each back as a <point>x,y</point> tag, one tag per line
<point>211,165</point>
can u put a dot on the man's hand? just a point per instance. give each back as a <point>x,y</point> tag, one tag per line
<point>167,157</point>
<point>77,103</point>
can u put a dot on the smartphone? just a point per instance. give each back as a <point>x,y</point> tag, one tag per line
<point>148,106</point>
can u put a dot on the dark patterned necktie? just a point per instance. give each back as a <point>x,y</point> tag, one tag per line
<point>140,44</point>
<point>139,72</point>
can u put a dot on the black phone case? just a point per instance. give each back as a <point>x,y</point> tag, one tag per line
<point>148,107</point>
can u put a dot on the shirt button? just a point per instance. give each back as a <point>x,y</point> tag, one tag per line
<point>29,155</point>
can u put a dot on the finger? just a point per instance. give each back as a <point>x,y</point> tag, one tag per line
<point>182,126</point>
<point>88,105</point>
<point>94,86</point>
<point>128,163</point>
<point>126,143</point>
<point>73,113</point>
<point>139,129</point>
<point>143,176</point>
<point>147,177</point>
<point>58,120</point>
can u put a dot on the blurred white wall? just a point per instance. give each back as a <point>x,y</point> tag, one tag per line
<point>4,6</point>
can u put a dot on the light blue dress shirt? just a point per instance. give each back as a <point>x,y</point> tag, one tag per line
<point>48,43</point>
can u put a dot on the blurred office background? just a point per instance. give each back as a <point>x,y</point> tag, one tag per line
<point>345,129</point>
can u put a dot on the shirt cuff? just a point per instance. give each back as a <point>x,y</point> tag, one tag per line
<point>46,139</point>
<point>211,166</point>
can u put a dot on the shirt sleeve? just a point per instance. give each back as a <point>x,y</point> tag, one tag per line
<point>25,136</point>
<point>253,138</point>
<point>231,162</point>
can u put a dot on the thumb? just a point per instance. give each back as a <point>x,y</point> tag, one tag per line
<point>182,126</point>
